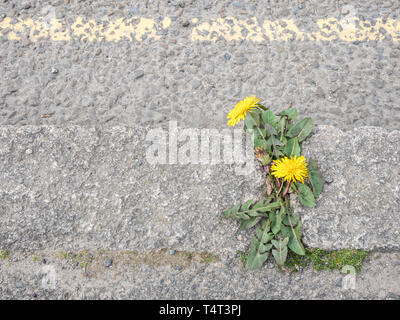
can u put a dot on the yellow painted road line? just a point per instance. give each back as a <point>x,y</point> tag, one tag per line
<point>110,30</point>
<point>350,30</point>
<point>229,28</point>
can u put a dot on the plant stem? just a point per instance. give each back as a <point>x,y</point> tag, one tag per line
<point>281,186</point>
<point>278,182</point>
<point>283,129</point>
<point>286,189</point>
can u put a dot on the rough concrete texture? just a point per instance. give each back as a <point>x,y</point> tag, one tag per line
<point>76,187</point>
<point>360,204</point>
<point>51,275</point>
<point>336,82</point>
<point>89,188</point>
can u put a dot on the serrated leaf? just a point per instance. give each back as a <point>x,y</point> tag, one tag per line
<point>260,133</point>
<point>236,208</point>
<point>226,214</point>
<point>315,177</point>
<point>256,259</point>
<point>294,220</point>
<point>265,224</point>
<point>252,120</point>
<point>255,214</point>
<point>306,197</point>
<point>259,204</point>
<point>269,118</point>
<point>265,247</point>
<point>276,141</point>
<point>301,129</point>
<point>272,218</point>
<point>258,254</point>
<point>246,205</point>
<point>241,215</point>
<point>266,237</point>
<point>291,113</point>
<point>306,130</point>
<point>281,125</point>
<point>280,254</point>
<point>270,130</point>
<point>286,231</point>
<point>276,226</point>
<point>268,207</point>
<point>295,241</point>
<point>259,233</point>
<point>292,147</point>
<point>247,224</point>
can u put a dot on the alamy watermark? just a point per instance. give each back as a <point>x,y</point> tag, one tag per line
<point>349,280</point>
<point>202,147</point>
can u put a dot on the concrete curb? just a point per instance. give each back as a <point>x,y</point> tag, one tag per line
<point>78,188</point>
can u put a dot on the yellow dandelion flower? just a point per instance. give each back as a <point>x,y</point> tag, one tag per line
<point>293,169</point>
<point>239,111</point>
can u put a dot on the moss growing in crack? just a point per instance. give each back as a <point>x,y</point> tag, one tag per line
<point>327,260</point>
<point>4,254</point>
<point>83,257</point>
<point>207,258</point>
<point>243,257</point>
<point>65,255</point>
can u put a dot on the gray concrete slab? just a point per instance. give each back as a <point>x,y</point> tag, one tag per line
<point>78,187</point>
<point>360,204</point>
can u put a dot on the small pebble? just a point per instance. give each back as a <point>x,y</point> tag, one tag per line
<point>139,73</point>
<point>171,252</point>
<point>328,179</point>
<point>108,263</point>
<point>227,56</point>
<point>28,151</point>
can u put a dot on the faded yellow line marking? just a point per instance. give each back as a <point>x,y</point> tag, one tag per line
<point>353,29</point>
<point>229,28</point>
<point>110,30</point>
